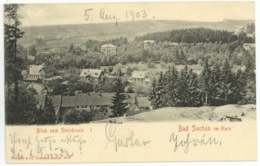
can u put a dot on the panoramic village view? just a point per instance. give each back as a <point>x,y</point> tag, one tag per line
<point>148,70</point>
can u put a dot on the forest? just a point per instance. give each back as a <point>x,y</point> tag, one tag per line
<point>198,35</point>
<point>216,85</point>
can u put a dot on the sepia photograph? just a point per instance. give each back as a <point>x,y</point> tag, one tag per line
<point>189,64</point>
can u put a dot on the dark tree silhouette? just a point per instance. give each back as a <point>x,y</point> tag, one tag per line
<point>120,105</point>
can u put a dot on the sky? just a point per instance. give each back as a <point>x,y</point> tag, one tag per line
<point>58,14</point>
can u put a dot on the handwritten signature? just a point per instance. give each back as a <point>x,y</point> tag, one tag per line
<point>115,137</point>
<point>189,141</point>
<point>47,147</point>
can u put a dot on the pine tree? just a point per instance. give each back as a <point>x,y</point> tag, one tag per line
<point>165,81</point>
<point>26,107</point>
<point>215,86</point>
<point>171,87</point>
<point>18,101</point>
<point>227,83</point>
<point>152,96</point>
<point>194,90</point>
<point>205,82</point>
<point>183,88</point>
<point>250,87</point>
<point>11,36</point>
<point>240,83</point>
<point>120,105</point>
<point>160,92</point>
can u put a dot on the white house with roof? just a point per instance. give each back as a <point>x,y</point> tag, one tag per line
<point>147,44</point>
<point>140,77</point>
<point>91,74</point>
<point>36,73</point>
<point>108,49</point>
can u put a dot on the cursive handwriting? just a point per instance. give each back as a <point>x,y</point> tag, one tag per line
<point>105,14</point>
<point>44,147</point>
<point>126,140</point>
<point>189,141</point>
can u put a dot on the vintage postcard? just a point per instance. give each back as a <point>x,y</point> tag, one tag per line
<point>130,82</point>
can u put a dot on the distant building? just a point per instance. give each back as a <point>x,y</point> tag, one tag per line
<point>36,73</point>
<point>147,44</point>
<point>91,74</point>
<point>97,103</point>
<point>140,77</point>
<point>173,44</point>
<point>109,49</point>
<point>249,46</point>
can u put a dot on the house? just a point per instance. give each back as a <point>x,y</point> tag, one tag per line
<point>91,74</point>
<point>36,73</point>
<point>140,77</point>
<point>99,103</point>
<point>147,44</point>
<point>109,49</point>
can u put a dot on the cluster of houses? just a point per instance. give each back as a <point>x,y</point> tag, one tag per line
<point>110,49</point>
<point>100,103</point>
<point>97,103</point>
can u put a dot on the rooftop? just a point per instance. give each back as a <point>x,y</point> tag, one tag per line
<point>35,69</point>
<point>108,45</point>
<point>149,41</point>
<point>139,74</point>
<point>88,99</point>
<point>90,73</point>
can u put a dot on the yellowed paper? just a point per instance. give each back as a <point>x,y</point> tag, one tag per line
<point>132,142</point>
<point>130,82</point>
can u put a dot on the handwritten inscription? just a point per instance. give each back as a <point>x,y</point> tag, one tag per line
<point>126,139</point>
<point>68,143</point>
<point>105,14</point>
<point>44,147</point>
<point>188,141</point>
